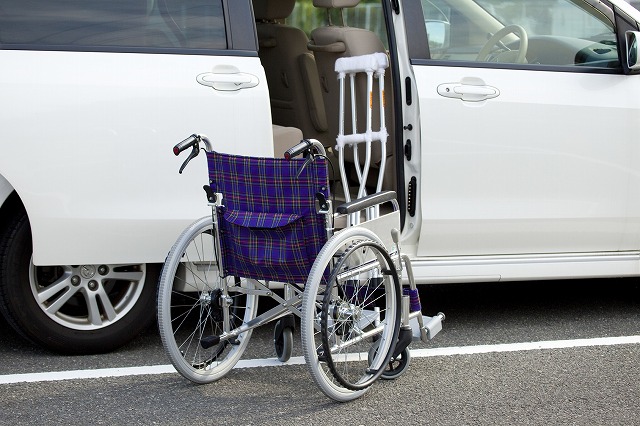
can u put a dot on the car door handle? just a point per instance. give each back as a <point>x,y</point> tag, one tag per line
<point>227,81</point>
<point>468,91</point>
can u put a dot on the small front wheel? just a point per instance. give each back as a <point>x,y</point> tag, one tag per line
<point>397,365</point>
<point>283,341</point>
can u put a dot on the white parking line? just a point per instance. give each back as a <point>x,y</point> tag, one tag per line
<point>273,362</point>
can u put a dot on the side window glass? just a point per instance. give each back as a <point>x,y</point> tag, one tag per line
<point>113,24</point>
<point>542,32</point>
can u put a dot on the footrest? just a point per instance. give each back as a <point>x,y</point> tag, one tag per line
<point>425,328</point>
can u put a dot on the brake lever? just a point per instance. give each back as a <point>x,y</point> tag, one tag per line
<point>195,150</point>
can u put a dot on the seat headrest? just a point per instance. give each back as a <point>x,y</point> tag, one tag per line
<point>336,4</point>
<point>269,10</point>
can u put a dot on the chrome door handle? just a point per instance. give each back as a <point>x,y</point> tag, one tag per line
<point>469,91</point>
<point>227,81</point>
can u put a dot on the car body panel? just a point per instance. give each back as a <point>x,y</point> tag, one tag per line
<point>132,107</point>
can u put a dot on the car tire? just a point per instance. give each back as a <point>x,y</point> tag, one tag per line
<point>78,309</point>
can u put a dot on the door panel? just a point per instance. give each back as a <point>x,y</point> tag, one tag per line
<point>530,153</point>
<point>546,166</point>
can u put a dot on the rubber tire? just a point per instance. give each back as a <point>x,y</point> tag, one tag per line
<point>22,312</point>
<point>320,374</point>
<point>283,344</point>
<point>398,366</point>
<point>176,350</point>
<point>393,292</point>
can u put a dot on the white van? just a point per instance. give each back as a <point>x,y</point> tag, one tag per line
<point>513,128</point>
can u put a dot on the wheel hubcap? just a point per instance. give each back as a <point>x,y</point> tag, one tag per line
<point>86,297</point>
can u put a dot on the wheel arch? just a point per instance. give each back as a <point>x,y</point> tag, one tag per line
<point>5,189</point>
<point>10,204</point>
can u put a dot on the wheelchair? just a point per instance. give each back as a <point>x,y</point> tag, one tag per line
<point>273,226</point>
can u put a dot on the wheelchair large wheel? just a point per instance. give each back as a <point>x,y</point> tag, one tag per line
<point>196,306</point>
<point>351,303</point>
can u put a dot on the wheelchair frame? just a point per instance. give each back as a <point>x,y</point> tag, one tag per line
<point>356,319</point>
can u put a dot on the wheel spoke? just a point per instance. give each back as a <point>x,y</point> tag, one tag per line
<point>107,306</point>
<point>61,284</point>
<point>94,315</point>
<point>61,300</point>
<point>115,274</point>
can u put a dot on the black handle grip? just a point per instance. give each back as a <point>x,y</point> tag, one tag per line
<point>185,144</point>
<point>297,149</point>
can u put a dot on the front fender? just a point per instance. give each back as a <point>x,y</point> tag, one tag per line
<point>5,190</point>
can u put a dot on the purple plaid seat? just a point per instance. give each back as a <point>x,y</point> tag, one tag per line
<point>269,228</point>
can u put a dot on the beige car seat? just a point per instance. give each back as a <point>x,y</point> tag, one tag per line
<point>292,75</point>
<point>284,138</point>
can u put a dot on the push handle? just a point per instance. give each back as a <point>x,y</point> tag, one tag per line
<point>304,146</point>
<point>297,149</point>
<point>192,142</point>
<point>185,144</point>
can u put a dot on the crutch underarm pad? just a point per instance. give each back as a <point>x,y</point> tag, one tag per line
<point>368,201</point>
<point>373,62</point>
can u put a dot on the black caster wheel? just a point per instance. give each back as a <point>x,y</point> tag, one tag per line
<point>397,365</point>
<point>283,341</point>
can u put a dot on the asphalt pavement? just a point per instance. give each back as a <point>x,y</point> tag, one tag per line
<point>583,385</point>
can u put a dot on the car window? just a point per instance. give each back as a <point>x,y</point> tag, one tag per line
<point>189,24</point>
<point>540,32</point>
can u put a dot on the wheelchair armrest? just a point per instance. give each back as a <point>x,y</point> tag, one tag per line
<point>368,201</point>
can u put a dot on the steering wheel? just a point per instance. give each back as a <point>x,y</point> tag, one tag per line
<point>515,56</point>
